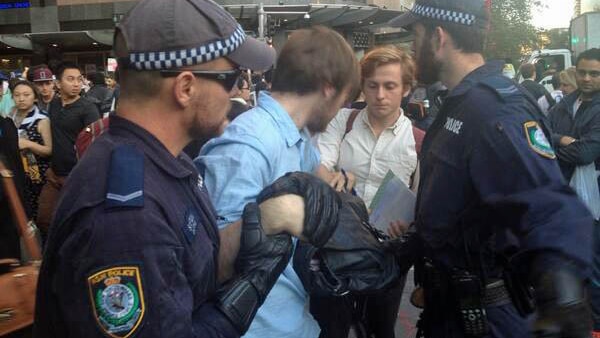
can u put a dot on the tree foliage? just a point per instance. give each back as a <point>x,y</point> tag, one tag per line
<point>511,31</point>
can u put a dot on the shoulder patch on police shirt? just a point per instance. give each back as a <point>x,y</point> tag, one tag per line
<point>503,86</point>
<point>537,140</point>
<point>117,299</point>
<point>125,185</point>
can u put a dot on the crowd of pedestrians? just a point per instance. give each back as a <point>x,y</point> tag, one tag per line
<point>49,110</point>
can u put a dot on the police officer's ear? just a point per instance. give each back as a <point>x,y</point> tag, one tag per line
<point>184,89</point>
<point>439,38</point>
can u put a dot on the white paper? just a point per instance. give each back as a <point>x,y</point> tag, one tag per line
<point>393,201</point>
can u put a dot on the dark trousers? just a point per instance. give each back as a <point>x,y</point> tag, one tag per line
<point>377,313</point>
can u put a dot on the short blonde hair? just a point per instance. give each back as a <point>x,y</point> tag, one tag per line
<point>385,55</point>
<point>568,76</point>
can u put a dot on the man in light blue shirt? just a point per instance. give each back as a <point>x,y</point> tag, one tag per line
<point>316,72</point>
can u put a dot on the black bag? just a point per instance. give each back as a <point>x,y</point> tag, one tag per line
<point>353,260</point>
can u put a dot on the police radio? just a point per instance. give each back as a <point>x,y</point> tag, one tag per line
<point>469,296</point>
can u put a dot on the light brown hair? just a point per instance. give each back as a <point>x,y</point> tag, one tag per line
<point>315,57</point>
<point>527,70</point>
<point>386,55</point>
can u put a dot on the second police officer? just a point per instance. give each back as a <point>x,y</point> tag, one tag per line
<point>493,213</point>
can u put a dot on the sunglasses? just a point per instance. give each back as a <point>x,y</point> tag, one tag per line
<point>227,78</point>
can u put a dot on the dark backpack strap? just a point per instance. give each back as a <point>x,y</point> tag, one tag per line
<point>550,99</point>
<point>418,134</point>
<point>350,122</point>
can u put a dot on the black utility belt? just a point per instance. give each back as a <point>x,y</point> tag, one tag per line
<point>466,293</point>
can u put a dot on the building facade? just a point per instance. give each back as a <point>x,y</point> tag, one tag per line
<point>584,6</point>
<point>50,31</point>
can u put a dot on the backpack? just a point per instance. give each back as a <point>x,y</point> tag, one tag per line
<point>89,134</point>
<point>418,134</point>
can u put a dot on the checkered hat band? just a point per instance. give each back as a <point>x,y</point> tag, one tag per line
<point>444,15</point>
<point>188,57</point>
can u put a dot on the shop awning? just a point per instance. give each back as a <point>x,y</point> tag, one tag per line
<point>333,15</point>
<point>66,41</point>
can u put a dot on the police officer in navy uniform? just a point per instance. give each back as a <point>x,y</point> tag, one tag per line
<point>132,251</point>
<point>493,215</point>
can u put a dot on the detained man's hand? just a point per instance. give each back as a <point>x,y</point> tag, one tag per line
<point>397,228</point>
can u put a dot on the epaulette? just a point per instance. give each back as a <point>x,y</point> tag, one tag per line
<point>125,181</point>
<point>501,85</point>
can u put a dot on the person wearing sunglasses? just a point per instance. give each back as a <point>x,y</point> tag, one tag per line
<point>240,102</point>
<point>134,243</point>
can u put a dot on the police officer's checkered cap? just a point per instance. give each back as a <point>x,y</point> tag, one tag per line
<point>165,34</point>
<point>471,13</point>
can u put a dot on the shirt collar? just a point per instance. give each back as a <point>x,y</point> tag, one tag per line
<point>395,127</point>
<point>476,76</point>
<point>284,122</point>
<point>179,167</point>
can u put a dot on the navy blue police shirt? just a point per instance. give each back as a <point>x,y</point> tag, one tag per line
<point>133,247</point>
<point>489,175</point>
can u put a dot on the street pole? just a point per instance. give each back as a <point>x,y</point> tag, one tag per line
<point>261,21</point>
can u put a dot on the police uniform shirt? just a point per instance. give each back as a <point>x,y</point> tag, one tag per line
<point>490,184</point>
<point>487,162</point>
<point>133,248</point>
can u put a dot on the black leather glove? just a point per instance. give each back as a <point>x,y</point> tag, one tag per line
<point>406,248</point>
<point>321,203</point>
<point>352,260</point>
<point>260,261</point>
<point>562,306</point>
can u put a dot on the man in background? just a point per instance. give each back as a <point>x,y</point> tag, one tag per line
<point>69,114</point>
<point>43,79</point>
<point>536,90</point>
<point>575,123</point>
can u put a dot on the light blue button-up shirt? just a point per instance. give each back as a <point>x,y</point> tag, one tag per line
<point>260,146</point>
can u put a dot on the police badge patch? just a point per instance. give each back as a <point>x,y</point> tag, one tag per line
<point>537,140</point>
<point>117,299</point>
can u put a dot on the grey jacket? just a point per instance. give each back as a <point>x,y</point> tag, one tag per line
<point>585,127</point>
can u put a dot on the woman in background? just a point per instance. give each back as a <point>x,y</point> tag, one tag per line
<point>568,84</point>
<point>35,140</point>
